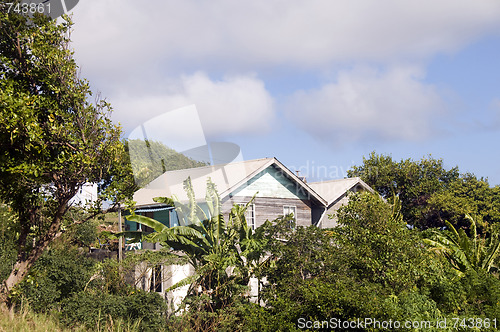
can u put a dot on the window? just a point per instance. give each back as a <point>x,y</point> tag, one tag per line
<point>147,229</point>
<point>174,218</point>
<point>250,215</point>
<point>288,209</point>
<point>156,279</point>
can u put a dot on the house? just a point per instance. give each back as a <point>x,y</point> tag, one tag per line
<point>277,190</point>
<point>87,194</point>
<point>336,192</point>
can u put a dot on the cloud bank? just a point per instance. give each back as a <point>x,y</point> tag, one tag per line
<point>154,56</point>
<point>368,104</point>
<point>247,34</point>
<point>233,105</point>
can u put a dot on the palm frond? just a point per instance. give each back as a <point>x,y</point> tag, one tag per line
<point>186,281</point>
<point>466,252</point>
<point>150,222</point>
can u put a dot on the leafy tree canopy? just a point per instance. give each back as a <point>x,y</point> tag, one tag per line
<point>367,266</point>
<point>52,138</point>
<point>467,195</point>
<point>431,194</point>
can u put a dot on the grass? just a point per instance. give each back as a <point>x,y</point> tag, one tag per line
<point>27,320</point>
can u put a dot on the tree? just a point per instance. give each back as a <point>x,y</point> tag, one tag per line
<point>367,266</point>
<point>467,195</point>
<point>413,182</point>
<point>52,139</point>
<point>380,248</point>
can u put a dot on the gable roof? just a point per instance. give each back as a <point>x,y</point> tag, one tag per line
<point>227,178</point>
<point>333,190</point>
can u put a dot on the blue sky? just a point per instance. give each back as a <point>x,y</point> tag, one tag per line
<point>317,84</point>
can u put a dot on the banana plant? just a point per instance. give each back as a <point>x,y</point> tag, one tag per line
<point>222,253</point>
<point>466,252</point>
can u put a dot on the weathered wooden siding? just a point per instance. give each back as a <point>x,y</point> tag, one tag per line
<point>326,222</point>
<point>267,208</point>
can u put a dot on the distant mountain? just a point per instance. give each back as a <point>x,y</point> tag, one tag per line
<point>151,159</point>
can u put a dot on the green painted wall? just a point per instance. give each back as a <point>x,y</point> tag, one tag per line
<point>271,182</point>
<point>163,217</point>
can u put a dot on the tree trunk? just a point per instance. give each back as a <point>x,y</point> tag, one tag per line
<point>25,262</point>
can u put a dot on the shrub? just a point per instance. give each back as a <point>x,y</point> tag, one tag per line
<point>95,309</point>
<point>55,276</point>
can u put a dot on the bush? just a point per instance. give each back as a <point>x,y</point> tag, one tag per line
<point>95,309</point>
<point>85,234</point>
<point>241,315</point>
<point>55,276</point>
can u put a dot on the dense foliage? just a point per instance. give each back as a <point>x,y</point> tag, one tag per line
<point>371,265</point>
<point>80,291</point>
<point>94,309</point>
<point>8,232</point>
<point>430,194</point>
<point>368,266</point>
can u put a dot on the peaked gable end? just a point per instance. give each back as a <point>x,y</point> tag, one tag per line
<point>270,182</point>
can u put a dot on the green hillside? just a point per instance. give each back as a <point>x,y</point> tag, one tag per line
<point>150,159</point>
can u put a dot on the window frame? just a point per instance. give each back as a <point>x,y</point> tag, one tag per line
<point>290,207</point>
<point>250,215</point>
<point>156,285</point>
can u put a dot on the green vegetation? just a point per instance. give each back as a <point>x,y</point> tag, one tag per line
<point>27,320</point>
<point>150,159</point>
<point>465,253</point>
<point>368,266</point>
<point>430,194</point>
<point>52,139</point>
<point>67,289</point>
<point>371,265</point>
<point>224,254</point>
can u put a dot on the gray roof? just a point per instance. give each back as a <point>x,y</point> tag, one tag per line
<point>332,190</point>
<point>227,178</point>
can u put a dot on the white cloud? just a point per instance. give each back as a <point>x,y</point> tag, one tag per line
<point>236,104</point>
<point>137,52</point>
<point>368,104</point>
<point>124,36</point>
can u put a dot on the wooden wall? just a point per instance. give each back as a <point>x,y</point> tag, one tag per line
<point>267,208</point>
